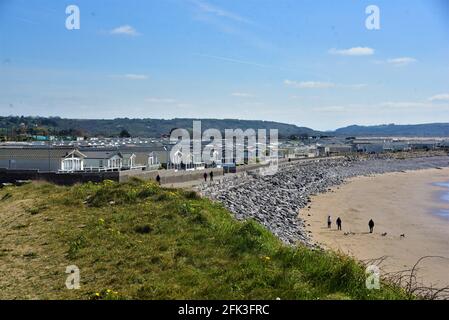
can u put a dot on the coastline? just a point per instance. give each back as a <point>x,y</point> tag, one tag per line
<point>399,203</point>
<point>275,200</point>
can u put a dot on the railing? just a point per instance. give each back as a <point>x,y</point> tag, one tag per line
<point>103,169</point>
<point>153,167</point>
<point>107,169</point>
<point>133,168</point>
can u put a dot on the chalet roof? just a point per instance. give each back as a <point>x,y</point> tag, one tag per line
<point>127,154</point>
<point>36,153</point>
<point>106,154</point>
<point>145,148</point>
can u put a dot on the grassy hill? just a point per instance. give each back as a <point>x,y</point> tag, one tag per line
<point>140,241</point>
<point>416,130</point>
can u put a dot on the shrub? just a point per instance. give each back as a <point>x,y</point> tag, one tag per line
<point>192,195</point>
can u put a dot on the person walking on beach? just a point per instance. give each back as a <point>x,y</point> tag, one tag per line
<point>158,179</point>
<point>371,226</point>
<point>329,222</point>
<point>205,176</point>
<point>211,176</point>
<point>339,223</point>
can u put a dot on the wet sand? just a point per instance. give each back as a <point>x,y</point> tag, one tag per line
<point>399,203</point>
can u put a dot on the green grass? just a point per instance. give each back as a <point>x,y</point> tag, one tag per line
<point>139,241</point>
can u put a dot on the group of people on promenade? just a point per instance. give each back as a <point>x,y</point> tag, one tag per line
<point>339,223</point>
<point>211,176</point>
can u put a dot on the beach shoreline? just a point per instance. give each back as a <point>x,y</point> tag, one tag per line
<point>275,200</point>
<point>400,203</point>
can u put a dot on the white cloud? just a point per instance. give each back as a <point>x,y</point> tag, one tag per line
<point>242,95</point>
<point>440,97</point>
<point>132,76</point>
<point>400,62</point>
<point>309,84</point>
<point>126,30</point>
<point>161,100</point>
<point>356,51</point>
<point>321,85</point>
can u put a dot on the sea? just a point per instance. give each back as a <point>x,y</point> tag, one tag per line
<point>443,197</point>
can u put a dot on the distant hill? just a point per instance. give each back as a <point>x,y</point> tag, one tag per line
<point>137,127</point>
<point>421,130</point>
<point>14,125</point>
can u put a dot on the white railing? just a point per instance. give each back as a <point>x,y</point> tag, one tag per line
<point>102,169</point>
<point>153,167</point>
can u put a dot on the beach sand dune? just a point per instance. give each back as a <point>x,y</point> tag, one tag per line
<point>400,204</point>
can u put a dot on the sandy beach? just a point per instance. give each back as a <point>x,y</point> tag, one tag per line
<point>399,203</point>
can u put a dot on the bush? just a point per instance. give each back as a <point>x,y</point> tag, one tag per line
<point>192,195</point>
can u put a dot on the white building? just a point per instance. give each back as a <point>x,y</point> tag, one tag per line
<point>74,161</point>
<point>103,160</point>
<point>129,160</point>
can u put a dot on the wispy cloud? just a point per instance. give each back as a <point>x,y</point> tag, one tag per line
<point>27,20</point>
<point>440,97</point>
<point>168,102</point>
<point>356,51</point>
<point>403,104</point>
<point>397,62</point>
<point>232,60</point>
<point>231,23</point>
<point>132,76</point>
<point>161,100</point>
<point>125,30</point>
<point>321,85</point>
<point>242,95</point>
<point>395,106</point>
<point>400,62</point>
<point>309,84</point>
<point>207,8</point>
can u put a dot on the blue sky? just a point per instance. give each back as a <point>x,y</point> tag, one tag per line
<point>310,63</point>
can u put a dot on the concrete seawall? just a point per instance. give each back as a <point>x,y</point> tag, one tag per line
<point>11,176</point>
<point>169,176</point>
